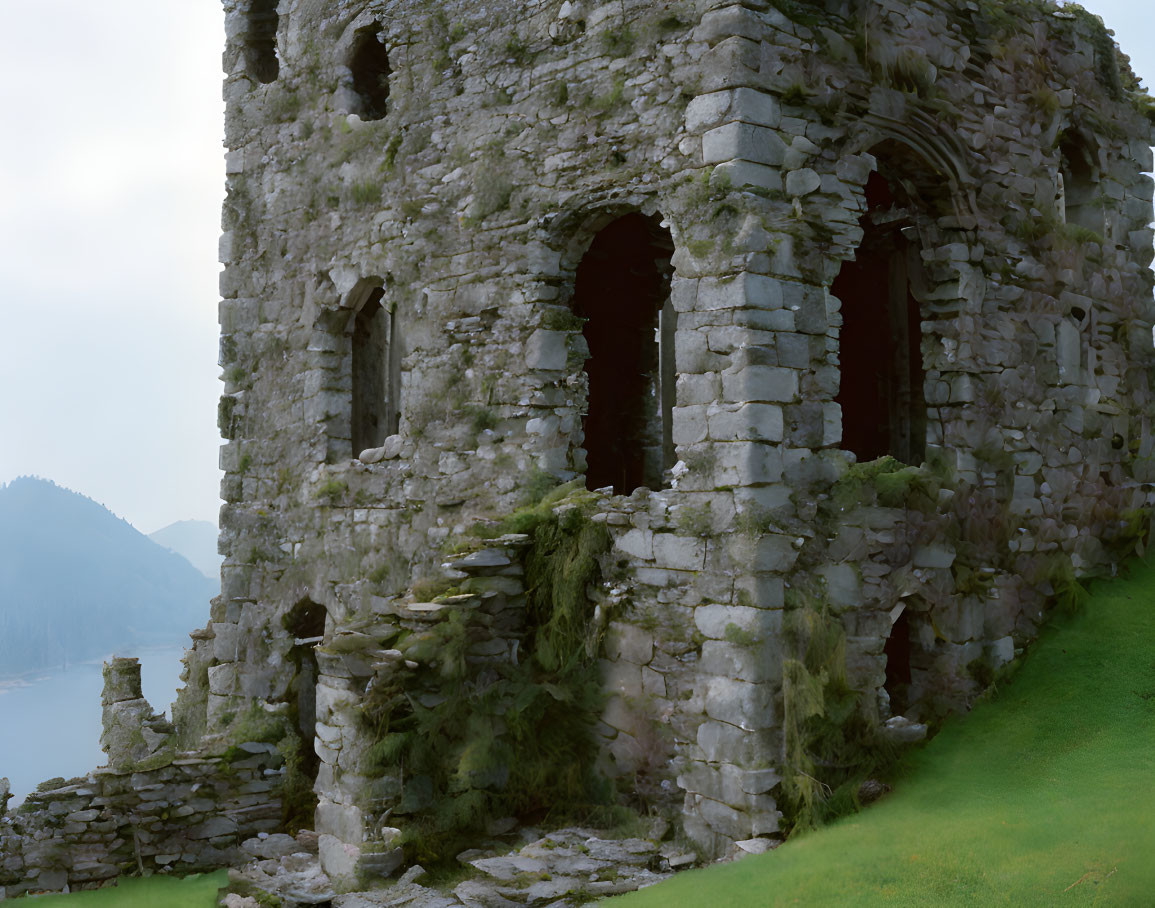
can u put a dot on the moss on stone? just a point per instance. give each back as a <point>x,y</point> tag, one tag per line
<point>516,739</point>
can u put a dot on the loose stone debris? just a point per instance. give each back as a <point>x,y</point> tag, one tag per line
<point>563,868</point>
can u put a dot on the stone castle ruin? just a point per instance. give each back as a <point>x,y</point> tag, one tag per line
<point>661,404</point>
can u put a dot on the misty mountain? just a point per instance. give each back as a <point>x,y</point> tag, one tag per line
<point>77,582</point>
<point>196,540</point>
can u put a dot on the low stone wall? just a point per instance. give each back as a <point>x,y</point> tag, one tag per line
<point>152,810</point>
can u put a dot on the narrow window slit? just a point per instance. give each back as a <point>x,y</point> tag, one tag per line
<point>370,67</point>
<point>306,623</point>
<point>376,374</point>
<point>1078,187</point>
<point>261,41</point>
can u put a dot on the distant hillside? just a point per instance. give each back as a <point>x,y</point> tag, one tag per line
<point>77,582</point>
<point>196,540</point>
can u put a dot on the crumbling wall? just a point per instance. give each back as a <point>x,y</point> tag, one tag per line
<point>148,811</point>
<point>511,136</point>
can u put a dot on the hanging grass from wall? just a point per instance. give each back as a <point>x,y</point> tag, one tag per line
<point>499,740</point>
<point>832,738</point>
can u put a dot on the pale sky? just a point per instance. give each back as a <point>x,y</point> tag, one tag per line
<point>111,179</point>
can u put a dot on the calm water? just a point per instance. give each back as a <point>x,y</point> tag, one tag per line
<point>50,721</point>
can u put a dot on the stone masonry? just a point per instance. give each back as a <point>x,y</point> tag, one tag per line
<point>835,315</point>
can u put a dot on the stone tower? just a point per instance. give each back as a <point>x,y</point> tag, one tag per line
<point>752,359</point>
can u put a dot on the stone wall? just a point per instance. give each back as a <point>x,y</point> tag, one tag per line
<point>1011,143</point>
<point>163,811</point>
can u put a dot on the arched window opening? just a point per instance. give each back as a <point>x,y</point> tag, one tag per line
<point>897,652</point>
<point>375,374</point>
<point>370,66</point>
<point>306,622</point>
<point>261,41</point>
<point>880,344</point>
<point>623,292</point>
<point>1078,186</point>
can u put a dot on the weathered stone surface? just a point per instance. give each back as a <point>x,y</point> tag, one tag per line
<point>478,204</point>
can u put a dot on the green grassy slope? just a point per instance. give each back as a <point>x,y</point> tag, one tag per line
<point>1045,796</point>
<point>150,892</point>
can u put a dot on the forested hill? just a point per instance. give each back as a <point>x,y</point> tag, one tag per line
<point>196,540</point>
<point>77,582</point>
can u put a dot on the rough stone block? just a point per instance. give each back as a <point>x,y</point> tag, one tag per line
<point>747,705</point>
<point>744,291</point>
<point>758,107</point>
<point>690,425</point>
<point>628,642</point>
<point>725,819</point>
<point>743,141</point>
<point>714,619</point>
<point>933,556</point>
<point>802,182</point>
<point>756,664</point>
<point>636,543</point>
<point>747,173</point>
<point>770,552</point>
<point>698,389</point>
<point>707,110</point>
<point>747,463</point>
<point>679,553</point>
<point>722,742</point>
<point>339,860</point>
<point>746,422</point>
<point>547,350</point>
<point>760,383</point>
<point>843,585</point>
<point>342,820</point>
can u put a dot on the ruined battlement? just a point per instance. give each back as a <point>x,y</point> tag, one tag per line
<point>616,384</point>
<point>710,262</point>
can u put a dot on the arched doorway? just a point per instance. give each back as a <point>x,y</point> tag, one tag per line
<point>880,344</point>
<point>623,292</point>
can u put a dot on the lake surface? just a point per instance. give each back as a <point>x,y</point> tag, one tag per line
<point>50,720</point>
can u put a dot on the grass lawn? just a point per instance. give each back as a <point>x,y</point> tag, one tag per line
<point>1044,796</point>
<point>198,891</point>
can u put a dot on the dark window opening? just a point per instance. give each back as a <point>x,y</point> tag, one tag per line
<point>370,66</point>
<point>261,41</point>
<point>1079,186</point>
<point>897,653</point>
<point>623,292</point>
<point>376,374</point>
<point>880,345</point>
<point>306,622</point>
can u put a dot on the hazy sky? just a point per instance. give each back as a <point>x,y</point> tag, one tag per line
<point>111,178</point>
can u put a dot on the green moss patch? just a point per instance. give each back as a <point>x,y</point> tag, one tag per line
<point>466,743</point>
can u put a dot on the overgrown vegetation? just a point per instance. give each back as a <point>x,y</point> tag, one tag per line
<point>1040,797</point>
<point>832,739</point>
<point>499,739</point>
<point>261,726</point>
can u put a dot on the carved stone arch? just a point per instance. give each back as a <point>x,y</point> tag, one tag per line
<point>943,174</point>
<point>911,202</point>
<point>570,232</point>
